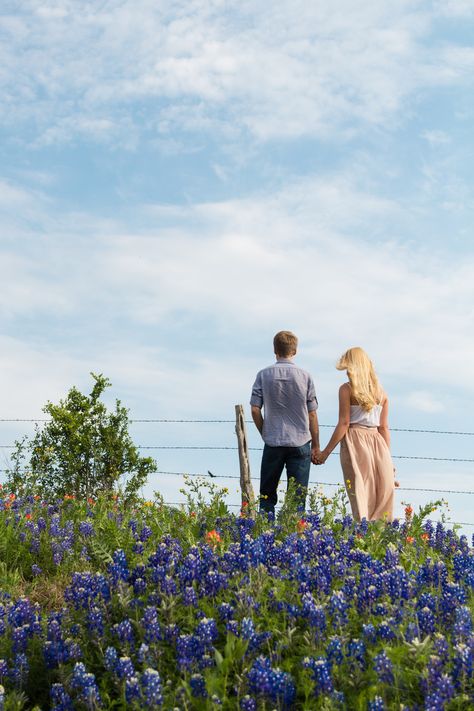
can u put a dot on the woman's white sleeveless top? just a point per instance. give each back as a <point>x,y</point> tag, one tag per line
<point>359,416</point>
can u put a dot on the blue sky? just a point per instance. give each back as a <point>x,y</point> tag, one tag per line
<point>180,180</point>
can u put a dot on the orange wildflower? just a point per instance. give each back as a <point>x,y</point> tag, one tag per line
<point>425,536</point>
<point>301,525</point>
<point>28,516</point>
<point>213,537</point>
<point>408,511</point>
<point>410,539</point>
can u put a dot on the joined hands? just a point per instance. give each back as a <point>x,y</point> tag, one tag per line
<point>318,456</point>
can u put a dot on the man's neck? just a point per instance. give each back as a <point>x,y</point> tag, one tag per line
<point>287,359</point>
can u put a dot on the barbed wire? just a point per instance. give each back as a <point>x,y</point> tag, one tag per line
<point>323,483</point>
<point>260,449</point>
<point>163,420</point>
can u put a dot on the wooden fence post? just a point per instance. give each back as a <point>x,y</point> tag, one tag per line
<point>248,496</point>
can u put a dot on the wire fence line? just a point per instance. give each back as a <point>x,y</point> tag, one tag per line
<point>163,420</point>
<point>324,483</point>
<point>260,449</point>
<point>233,448</point>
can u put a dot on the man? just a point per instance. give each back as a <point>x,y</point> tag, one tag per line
<point>289,426</point>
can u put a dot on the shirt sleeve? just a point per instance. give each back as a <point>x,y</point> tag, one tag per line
<point>311,398</point>
<point>256,398</point>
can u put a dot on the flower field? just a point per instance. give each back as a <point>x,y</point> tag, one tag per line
<point>105,605</point>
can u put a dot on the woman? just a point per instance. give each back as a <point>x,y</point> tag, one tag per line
<point>365,439</point>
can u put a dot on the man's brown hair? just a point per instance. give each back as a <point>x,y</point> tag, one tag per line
<point>285,344</point>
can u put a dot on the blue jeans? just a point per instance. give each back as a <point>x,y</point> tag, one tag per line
<point>298,463</point>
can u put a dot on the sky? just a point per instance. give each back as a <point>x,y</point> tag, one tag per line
<point>180,180</point>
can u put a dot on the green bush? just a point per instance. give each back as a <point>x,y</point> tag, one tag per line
<point>83,450</point>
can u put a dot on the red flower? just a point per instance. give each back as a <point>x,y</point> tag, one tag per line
<point>213,537</point>
<point>408,511</point>
<point>301,525</point>
<point>410,539</point>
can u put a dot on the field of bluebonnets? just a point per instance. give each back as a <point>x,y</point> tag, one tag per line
<point>110,606</point>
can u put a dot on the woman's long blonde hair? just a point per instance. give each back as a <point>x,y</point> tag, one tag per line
<point>363,381</point>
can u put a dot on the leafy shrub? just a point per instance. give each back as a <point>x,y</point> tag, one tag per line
<point>82,451</point>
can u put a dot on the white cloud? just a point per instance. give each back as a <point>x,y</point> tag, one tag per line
<point>284,70</point>
<point>424,402</point>
<point>455,8</point>
<point>436,137</point>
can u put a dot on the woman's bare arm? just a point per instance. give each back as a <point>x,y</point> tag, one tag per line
<point>342,425</point>
<point>383,428</point>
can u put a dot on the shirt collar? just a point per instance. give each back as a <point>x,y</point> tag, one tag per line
<point>284,360</point>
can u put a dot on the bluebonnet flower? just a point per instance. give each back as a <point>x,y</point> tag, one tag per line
<point>225,611</point>
<point>86,686</point>
<point>19,670</point>
<point>139,586</point>
<point>248,703</point>
<point>95,621</point>
<point>171,632</point>
<point>60,699</point>
<point>124,631</point>
<point>86,529</point>
<point>19,637</point>
<point>369,632</point>
<point>124,668</point>
<point>462,665</point>
<point>151,687</point>
<point>190,598</point>
<point>338,607</point>
<point>426,620</point>
<point>441,647</point>
<point>145,533</point>
<point>118,570</point>
<point>198,686</point>
<point>189,650</point>
<point>385,631</point>
<point>356,651</point>
<point>462,627</point>
<point>232,626</point>
<point>377,704</point>
<point>392,556</point>
<point>315,613</point>
<point>3,668</point>
<point>334,651</point>
<point>143,653</point>
<point>111,659</point>
<point>384,668</point>
<point>150,625</point>
<point>36,570</point>
<point>274,683</point>
<point>132,689</point>
<point>86,587</point>
<point>323,683</point>
<point>206,630</point>
<point>411,632</point>
<point>249,633</point>
<point>441,695</point>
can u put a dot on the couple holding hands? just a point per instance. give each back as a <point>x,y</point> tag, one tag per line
<point>289,428</point>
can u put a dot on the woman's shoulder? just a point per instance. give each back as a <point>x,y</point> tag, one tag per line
<point>345,390</point>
